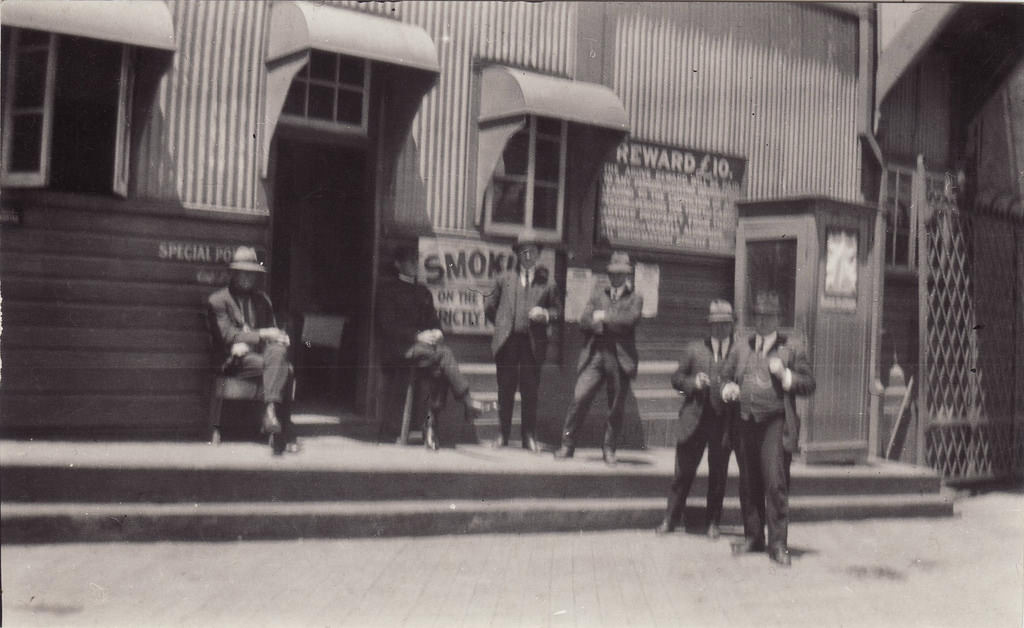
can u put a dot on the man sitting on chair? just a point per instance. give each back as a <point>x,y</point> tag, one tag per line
<point>411,337</point>
<point>252,341</point>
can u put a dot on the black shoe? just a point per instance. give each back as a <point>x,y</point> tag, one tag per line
<point>564,453</point>
<point>430,438</point>
<point>780,554</point>
<point>609,456</point>
<point>500,441</point>
<point>665,527</point>
<point>529,442</point>
<point>714,531</point>
<point>747,546</point>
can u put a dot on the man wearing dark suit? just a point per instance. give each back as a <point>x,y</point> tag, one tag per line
<point>705,420</point>
<point>765,375</point>
<point>251,339</point>
<point>608,357</point>
<point>522,306</point>
<point>411,336</point>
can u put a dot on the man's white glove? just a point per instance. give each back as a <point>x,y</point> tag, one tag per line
<point>776,367</point>
<point>538,314</point>
<point>701,380</point>
<point>730,392</point>
<point>598,316</point>
<point>239,349</point>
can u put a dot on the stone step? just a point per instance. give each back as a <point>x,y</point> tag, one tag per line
<point>219,521</point>
<point>651,375</point>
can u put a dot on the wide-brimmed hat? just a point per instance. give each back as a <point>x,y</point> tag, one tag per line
<point>527,237</point>
<point>720,311</point>
<point>245,259</point>
<point>619,263</point>
<point>767,302</point>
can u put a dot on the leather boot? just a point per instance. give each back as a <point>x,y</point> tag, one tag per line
<point>270,423</point>
<point>780,554</point>
<point>564,453</point>
<point>666,527</point>
<point>530,443</point>
<point>609,456</point>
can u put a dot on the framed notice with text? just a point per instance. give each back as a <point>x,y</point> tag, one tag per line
<point>669,198</point>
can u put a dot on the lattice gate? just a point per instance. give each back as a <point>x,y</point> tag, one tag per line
<point>971,293</point>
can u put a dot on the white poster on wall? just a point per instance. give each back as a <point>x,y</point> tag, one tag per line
<point>647,278</point>
<point>579,284</point>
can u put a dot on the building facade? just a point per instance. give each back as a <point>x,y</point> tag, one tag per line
<point>323,134</point>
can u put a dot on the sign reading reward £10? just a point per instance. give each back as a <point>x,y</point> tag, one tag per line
<point>460,274</point>
<point>677,199</point>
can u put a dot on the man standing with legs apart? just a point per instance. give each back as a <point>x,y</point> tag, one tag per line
<point>704,420</point>
<point>765,375</point>
<point>522,306</point>
<point>609,356</point>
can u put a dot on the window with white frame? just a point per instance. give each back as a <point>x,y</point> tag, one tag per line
<point>331,91</point>
<point>66,112</point>
<point>528,186</point>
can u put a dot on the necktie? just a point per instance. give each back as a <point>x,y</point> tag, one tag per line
<point>760,345</point>
<point>718,352</point>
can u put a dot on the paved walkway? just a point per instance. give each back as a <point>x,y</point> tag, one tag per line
<point>964,571</point>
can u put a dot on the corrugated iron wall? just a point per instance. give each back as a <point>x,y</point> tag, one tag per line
<point>200,145</point>
<point>434,167</point>
<point>915,116</point>
<point>775,83</point>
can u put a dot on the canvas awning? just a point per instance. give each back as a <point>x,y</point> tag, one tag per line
<point>909,44</point>
<point>138,23</point>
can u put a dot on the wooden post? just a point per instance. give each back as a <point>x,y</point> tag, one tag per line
<point>410,400</point>
<point>920,199</point>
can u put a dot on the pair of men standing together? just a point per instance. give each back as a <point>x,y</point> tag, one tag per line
<point>741,395</point>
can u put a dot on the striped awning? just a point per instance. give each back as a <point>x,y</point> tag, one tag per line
<point>298,26</point>
<point>136,22</point>
<point>508,92</point>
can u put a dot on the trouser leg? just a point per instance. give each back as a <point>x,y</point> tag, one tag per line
<point>507,365</point>
<point>618,390</point>
<point>441,363</point>
<point>588,383</point>
<point>774,471</point>
<point>275,372</point>
<point>718,470</point>
<point>688,455</point>
<point>396,381</point>
<point>529,383</point>
<point>751,481</point>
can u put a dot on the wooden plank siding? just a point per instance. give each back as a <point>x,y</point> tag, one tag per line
<point>103,330</point>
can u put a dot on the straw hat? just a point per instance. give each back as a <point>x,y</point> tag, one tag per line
<point>245,259</point>
<point>720,311</point>
<point>619,263</point>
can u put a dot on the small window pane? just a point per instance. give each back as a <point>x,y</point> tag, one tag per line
<point>33,38</point>
<point>350,107</point>
<point>30,82</point>
<point>351,70</point>
<point>322,65</point>
<point>321,102</point>
<point>548,160</point>
<point>545,207</point>
<point>549,126</point>
<point>295,102</point>
<point>516,155</point>
<point>26,142</point>
<point>509,202</point>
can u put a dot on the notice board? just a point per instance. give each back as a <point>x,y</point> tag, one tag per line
<point>670,198</point>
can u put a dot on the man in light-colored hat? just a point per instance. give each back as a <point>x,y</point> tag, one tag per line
<point>522,306</point>
<point>251,339</point>
<point>609,356</point>
<point>765,374</point>
<point>705,420</point>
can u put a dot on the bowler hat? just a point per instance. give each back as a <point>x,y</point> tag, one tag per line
<point>720,311</point>
<point>619,263</point>
<point>767,302</point>
<point>527,237</point>
<point>245,259</point>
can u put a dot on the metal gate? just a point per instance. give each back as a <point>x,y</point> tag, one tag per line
<point>971,299</point>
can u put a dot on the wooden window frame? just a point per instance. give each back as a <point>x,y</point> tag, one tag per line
<point>361,129</point>
<point>510,229</point>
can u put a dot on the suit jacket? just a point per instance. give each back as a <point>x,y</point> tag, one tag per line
<point>794,357</point>
<point>707,402</point>
<point>403,310</point>
<point>618,327</point>
<point>226,312</point>
<point>499,308</point>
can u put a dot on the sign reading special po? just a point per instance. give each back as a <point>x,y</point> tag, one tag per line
<point>460,275</point>
<point>669,198</point>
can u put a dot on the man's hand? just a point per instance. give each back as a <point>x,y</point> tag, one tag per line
<point>538,314</point>
<point>430,336</point>
<point>598,316</point>
<point>730,392</point>
<point>239,349</point>
<point>701,381</point>
<point>776,367</point>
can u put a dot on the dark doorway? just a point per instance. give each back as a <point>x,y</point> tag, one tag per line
<point>322,252</point>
